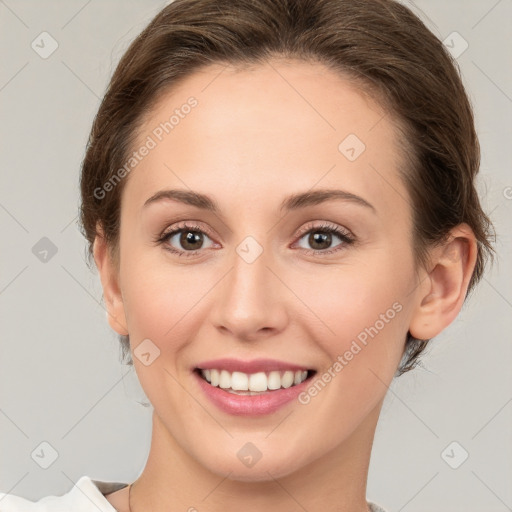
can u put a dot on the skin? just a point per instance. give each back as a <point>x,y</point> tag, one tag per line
<point>257,136</point>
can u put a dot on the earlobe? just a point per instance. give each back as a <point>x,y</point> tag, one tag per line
<point>110,284</point>
<point>443,290</point>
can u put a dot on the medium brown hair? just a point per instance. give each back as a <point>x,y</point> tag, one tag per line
<point>380,44</point>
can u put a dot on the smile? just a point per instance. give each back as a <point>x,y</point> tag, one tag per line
<point>241,383</point>
<point>251,388</point>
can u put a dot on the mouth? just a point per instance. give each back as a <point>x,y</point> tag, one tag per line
<point>250,384</point>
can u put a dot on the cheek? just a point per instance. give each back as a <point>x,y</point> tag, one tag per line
<point>364,322</point>
<point>361,306</point>
<point>160,298</point>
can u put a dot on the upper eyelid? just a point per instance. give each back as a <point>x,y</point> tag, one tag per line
<point>325,225</point>
<point>184,224</point>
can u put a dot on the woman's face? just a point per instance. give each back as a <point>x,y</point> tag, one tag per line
<point>263,277</point>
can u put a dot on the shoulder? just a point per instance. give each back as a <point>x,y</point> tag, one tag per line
<point>375,508</point>
<point>87,495</point>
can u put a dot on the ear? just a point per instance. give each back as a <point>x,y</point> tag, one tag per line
<point>110,283</point>
<point>443,288</point>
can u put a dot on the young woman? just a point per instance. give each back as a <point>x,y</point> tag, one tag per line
<point>279,198</point>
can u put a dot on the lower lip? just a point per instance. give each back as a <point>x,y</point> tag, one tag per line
<point>250,405</point>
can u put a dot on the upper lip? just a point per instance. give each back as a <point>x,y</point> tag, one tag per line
<point>253,366</point>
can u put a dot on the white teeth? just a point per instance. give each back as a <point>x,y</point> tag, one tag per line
<point>214,374</point>
<point>274,380</point>
<point>287,379</point>
<point>254,382</point>
<point>239,381</point>
<point>258,381</point>
<point>224,379</point>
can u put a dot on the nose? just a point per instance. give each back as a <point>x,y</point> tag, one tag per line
<point>250,302</point>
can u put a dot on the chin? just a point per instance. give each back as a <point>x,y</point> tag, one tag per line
<point>262,471</point>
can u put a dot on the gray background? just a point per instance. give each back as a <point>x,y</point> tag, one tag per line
<point>60,376</point>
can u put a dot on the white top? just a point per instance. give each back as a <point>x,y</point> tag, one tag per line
<point>86,496</point>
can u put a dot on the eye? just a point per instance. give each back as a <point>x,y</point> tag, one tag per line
<point>321,238</point>
<point>189,239</point>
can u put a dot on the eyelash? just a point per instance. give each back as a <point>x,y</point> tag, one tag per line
<point>326,228</point>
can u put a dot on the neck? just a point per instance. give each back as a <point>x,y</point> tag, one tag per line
<point>173,480</point>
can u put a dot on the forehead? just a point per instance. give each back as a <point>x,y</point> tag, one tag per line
<point>283,124</point>
<point>269,97</point>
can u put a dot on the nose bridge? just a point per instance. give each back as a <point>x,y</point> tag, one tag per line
<point>251,300</point>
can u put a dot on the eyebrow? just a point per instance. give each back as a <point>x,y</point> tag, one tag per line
<point>293,202</point>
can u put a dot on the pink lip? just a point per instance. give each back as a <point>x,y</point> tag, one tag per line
<point>246,405</point>
<point>254,366</point>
